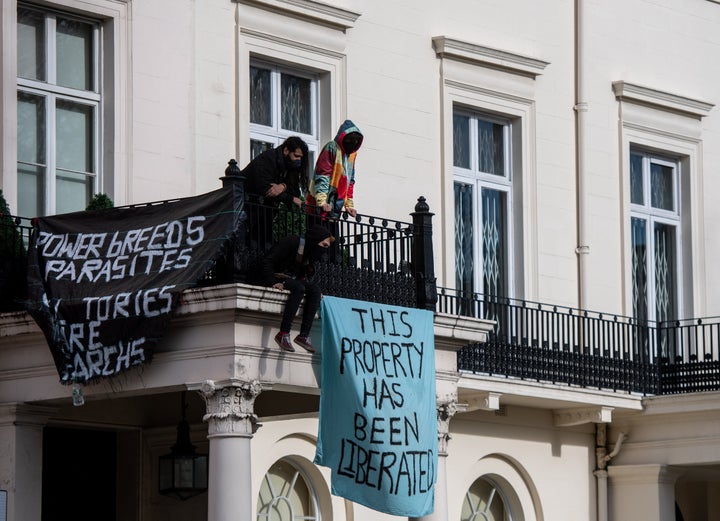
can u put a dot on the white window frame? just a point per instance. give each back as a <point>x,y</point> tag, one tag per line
<point>519,492</point>
<point>275,133</point>
<point>651,216</point>
<point>53,93</point>
<point>271,38</point>
<point>500,83</point>
<point>479,180</point>
<point>114,157</point>
<point>669,126</point>
<point>496,491</point>
<point>298,474</point>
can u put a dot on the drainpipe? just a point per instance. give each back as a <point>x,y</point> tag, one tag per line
<point>603,457</point>
<point>581,152</point>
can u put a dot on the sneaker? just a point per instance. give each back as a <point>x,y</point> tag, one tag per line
<point>283,340</point>
<point>304,342</point>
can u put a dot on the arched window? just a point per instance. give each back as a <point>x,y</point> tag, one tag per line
<point>484,501</point>
<point>286,495</point>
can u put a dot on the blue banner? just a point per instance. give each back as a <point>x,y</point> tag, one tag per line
<point>378,422</point>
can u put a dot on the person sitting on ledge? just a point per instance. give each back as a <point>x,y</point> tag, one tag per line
<point>290,265</point>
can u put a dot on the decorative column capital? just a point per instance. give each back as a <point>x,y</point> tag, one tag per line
<point>445,412</point>
<point>230,408</point>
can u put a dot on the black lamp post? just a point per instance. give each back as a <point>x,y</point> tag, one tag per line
<point>183,473</point>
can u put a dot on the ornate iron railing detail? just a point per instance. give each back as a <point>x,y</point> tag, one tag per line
<point>690,355</point>
<point>540,342</point>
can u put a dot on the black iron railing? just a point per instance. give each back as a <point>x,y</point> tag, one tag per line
<point>689,355</point>
<point>14,238</point>
<point>373,259</point>
<point>370,260</point>
<point>541,342</point>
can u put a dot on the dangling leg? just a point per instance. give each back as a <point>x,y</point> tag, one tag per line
<point>312,303</point>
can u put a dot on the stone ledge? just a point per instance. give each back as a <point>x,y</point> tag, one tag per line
<point>446,47</point>
<point>311,10</point>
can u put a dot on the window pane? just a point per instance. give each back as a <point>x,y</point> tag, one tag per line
<point>461,141</point>
<point>74,54</point>
<point>31,45</point>
<point>257,147</point>
<point>665,272</point>
<point>295,104</point>
<point>494,242</point>
<point>74,127</point>
<point>636,179</point>
<point>31,190</point>
<point>31,128</point>
<point>73,191</point>
<point>491,148</point>
<point>639,268</point>
<point>661,186</point>
<point>483,502</point>
<point>464,264</point>
<point>285,495</point>
<point>260,97</point>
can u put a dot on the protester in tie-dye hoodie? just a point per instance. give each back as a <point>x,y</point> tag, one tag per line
<point>331,189</point>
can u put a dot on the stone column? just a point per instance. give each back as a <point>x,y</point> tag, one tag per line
<point>445,412</point>
<point>642,492</point>
<point>231,425</point>
<point>21,432</point>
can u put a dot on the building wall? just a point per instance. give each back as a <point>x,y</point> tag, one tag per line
<point>178,110</point>
<point>544,468</point>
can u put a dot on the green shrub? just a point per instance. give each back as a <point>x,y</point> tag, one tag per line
<point>100,202</point>
<point>290,220</point>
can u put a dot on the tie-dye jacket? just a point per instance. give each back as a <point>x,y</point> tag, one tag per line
<point>334,179</point>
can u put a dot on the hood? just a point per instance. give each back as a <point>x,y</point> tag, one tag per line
<point>346,128</point>
<point>313,236</point>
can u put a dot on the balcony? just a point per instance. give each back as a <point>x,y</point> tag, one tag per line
<point>390,262</point>
<point>559,345</point>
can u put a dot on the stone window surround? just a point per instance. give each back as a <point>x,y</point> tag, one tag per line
<point>668,124</point>
<point>496,82</point>
<point>114,17</point>
<point>315,44</point>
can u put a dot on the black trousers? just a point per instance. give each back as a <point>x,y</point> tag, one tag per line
<point>298,289</point>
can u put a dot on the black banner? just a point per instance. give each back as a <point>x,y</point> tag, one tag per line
<point>103,285</point>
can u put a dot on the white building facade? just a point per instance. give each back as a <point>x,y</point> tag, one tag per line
<point>567,151</point>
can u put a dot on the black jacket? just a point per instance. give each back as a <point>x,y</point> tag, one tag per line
<point>267,168</point>
<point>284,258</point>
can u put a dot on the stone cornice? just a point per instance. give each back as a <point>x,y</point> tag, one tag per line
<point>24,414</point>
<point>481,55</point>
<point>634,93</point>
<point>218,332</point>
<point>311,10</point>
<point>454,332</point>
<point>582,415</point>
<point>545,395</point>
